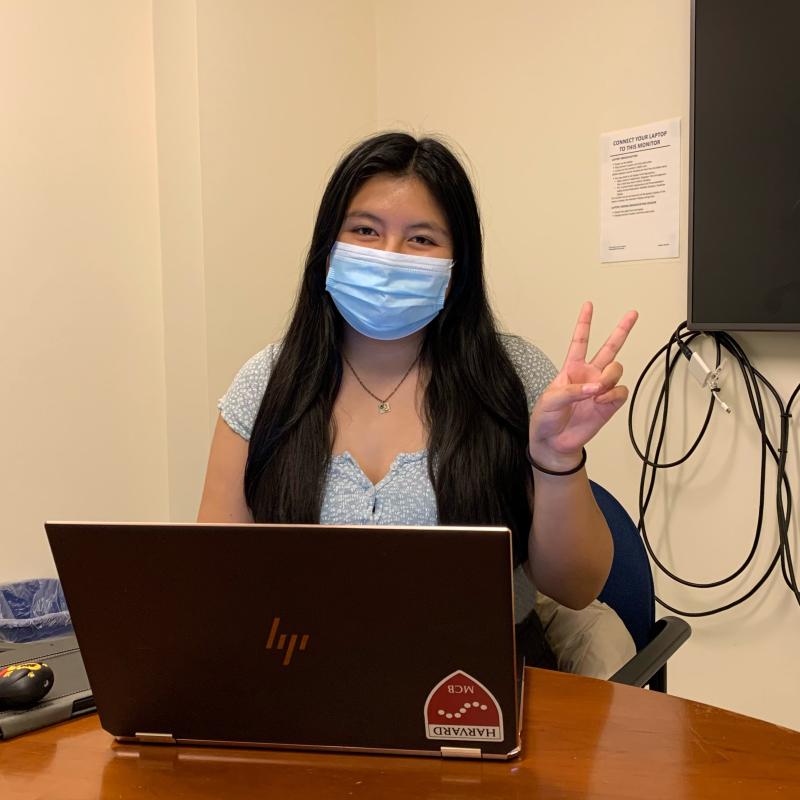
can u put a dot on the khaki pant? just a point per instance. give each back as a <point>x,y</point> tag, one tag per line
<point>593,641</point>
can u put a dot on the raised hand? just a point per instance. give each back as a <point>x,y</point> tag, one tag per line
<point>582,397</point>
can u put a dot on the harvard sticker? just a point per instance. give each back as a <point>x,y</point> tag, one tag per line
<point>459,707</point>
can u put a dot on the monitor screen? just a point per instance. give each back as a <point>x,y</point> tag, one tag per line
<point>744,214</point>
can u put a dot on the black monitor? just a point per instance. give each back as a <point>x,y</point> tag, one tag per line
<point>744,206</point>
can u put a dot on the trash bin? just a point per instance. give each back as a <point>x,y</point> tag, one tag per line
<point>33,610</point>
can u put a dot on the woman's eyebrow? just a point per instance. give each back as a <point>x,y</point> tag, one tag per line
<point>366,214</point>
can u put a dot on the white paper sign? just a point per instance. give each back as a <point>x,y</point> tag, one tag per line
<point>640,192</point>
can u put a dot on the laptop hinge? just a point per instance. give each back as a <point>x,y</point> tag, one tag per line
<point>461,752</point>
<point>154,738</point>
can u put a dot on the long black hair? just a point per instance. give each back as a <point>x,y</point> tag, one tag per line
<point>475,407</point>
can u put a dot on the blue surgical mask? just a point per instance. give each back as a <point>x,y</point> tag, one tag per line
<point>386,295</point>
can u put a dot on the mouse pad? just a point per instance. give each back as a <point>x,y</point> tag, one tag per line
<point>70,695</point>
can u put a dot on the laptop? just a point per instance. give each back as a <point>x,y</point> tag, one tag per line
<point>346,638</point>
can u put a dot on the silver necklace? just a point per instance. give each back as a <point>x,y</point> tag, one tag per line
<point>383,402</point>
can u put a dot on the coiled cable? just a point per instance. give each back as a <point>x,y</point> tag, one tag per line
<point>672,351</point>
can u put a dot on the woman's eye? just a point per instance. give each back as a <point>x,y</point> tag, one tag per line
<point>364,230</point>
<point>422,240</point>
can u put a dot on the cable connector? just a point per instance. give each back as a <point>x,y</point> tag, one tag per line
<point>707,378</point>
<point>723,405</point>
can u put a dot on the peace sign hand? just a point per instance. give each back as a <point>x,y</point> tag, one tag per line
<point>582,397</point>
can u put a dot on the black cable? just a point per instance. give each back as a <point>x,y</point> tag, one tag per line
<point>644,503</point>
<point>677,346</point>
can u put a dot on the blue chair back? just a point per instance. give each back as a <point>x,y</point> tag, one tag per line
<point>629,588</point>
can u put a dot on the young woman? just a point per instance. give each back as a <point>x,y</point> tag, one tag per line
<point>393,399</point>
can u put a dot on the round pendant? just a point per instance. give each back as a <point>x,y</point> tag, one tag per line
<point>384,408</point>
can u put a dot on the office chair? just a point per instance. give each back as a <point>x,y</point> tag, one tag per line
<point>629,591</point>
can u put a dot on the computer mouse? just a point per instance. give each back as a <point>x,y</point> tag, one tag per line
<point>24,685</point>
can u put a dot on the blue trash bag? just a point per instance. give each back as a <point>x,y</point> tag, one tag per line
<point>33,610</point>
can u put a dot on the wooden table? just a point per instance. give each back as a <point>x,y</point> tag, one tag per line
<point>583,738</point>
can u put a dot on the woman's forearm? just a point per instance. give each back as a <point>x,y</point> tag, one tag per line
<point>569,547</point>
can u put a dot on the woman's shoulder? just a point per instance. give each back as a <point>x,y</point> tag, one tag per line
<point>534,368</point>
<point>259,366</point>
<point>240,403</point>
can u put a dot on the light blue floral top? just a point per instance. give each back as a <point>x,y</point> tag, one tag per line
<point>404,496</point>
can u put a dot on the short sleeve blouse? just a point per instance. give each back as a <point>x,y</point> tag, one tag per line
<point>405,495</point>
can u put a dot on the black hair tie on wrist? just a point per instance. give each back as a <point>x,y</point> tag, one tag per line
<point>553,472</point>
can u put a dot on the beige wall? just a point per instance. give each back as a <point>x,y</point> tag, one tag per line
<point>284,89</point>
<point>161,165</point>
<point>255,102</point>
<point>81,334</point>
<point>526,88</point>
<point>158,161</point>
<point>182,258</point>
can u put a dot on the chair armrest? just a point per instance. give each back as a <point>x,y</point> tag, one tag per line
<point>668,634</point>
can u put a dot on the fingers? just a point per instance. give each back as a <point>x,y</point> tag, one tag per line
<point>580,336</point>
<point>605,390</point>
<point>616,396</point>
<point>607,353</point>
<point>556,398</point>
<point>609,393</point>
<point>609,377</point>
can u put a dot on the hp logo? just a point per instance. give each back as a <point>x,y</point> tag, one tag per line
<point>282,641</point>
